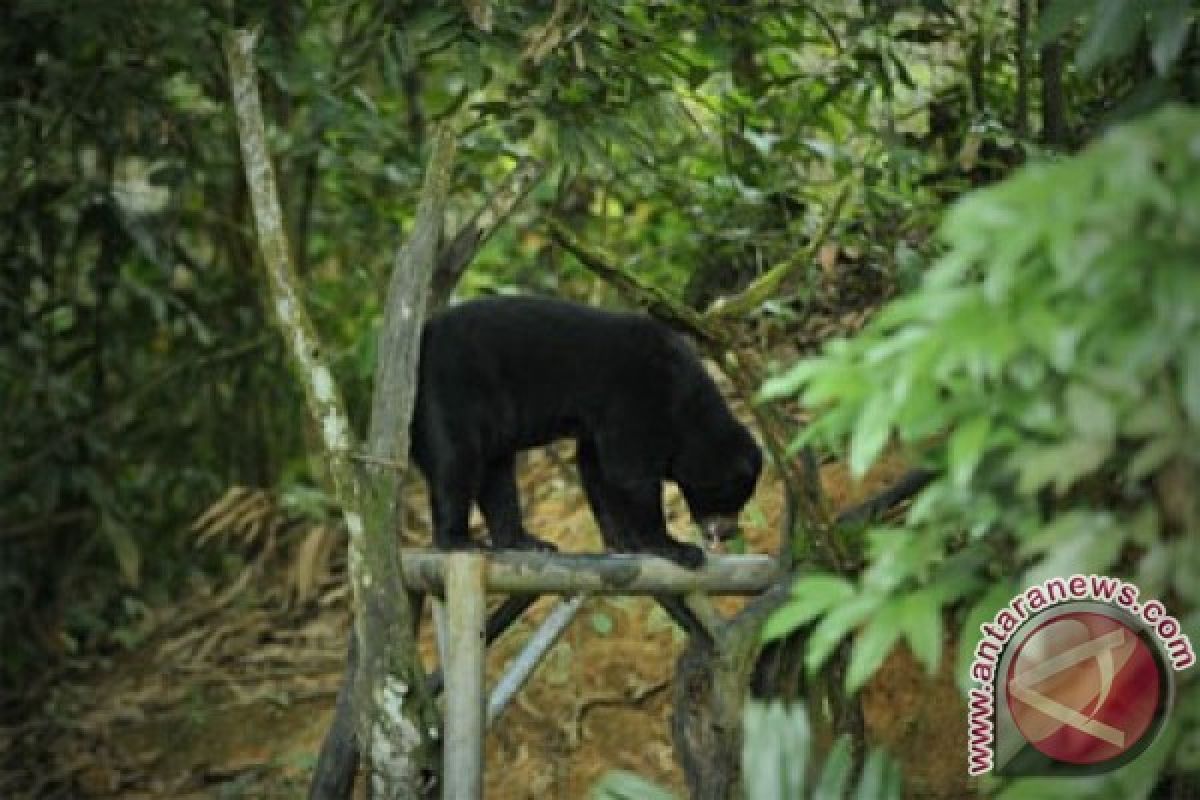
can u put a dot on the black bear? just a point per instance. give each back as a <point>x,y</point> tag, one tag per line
<point>504,374</point>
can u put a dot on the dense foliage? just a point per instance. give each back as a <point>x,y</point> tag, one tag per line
<point>1048,367</point>
<point>779,763</point>
<point>140,377</point>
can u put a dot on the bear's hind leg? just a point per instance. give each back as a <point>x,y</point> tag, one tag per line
<point>500,503</point>
<point>452,486</point>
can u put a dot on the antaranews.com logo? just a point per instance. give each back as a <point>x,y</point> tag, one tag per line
<point>1073,677</point>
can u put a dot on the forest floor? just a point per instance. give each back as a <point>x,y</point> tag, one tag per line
<point>228,694</point>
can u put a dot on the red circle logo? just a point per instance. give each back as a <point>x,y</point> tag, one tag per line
<point>1084,688</point>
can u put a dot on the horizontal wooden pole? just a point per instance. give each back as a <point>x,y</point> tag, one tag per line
<point>519,572</point>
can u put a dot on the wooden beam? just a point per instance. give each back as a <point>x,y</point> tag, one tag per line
<point>516,572</point>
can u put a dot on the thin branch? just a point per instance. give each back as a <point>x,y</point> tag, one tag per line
<point>455,257</point>
<point>363,458</point>
<point>635,290</point>
<point>767,285</point>
<point>399,342</point>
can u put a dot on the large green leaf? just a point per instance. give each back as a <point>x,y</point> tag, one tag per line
<point>871,433</point>
<point>1091,414</point>
<point>880,778</point>
<point>1060,464</point>
<point>1190,383</point>
<point>835,777</point>
<point>1170,24</point>
<point>966,448</point>
<point>984,610</point>
<point>873,644</point>
<point>920,620</point>
<point>624,785</point>
<point>812,595</point>
<point>1112,33</point>
<point>775,751</point>
<point>835,625</point>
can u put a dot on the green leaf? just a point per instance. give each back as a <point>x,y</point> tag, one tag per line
<point>836,774</point>
<point>1088,550</point>
<point>1186,564</point>
<point>1112,33</point>
<point>1062,464</point>
<point>1170,23</point>
<point>1075,788</point>
<point>602,623</point>
<point>125,548</point>
<point>1190,383</point>
<point>62,319</point>
<point>871,433</point>
<point>1144,526</point>
<point>896,556</point>
<point>812,595</point>
<point>623,785</point>
<point>834,626</point>
<point>921,623</point>
<point>984,610</point>
<point>873,644</point>
<point>880,778</point>
<point>1152,416</point>
<point>790,381</point>
<point>1187,751</point>
<point>966,447</point>
<point>1151,456</point>
<point>1062,528</point>
<point>775,750</point>
<point>1153,570</point>
<point>1091,415</point>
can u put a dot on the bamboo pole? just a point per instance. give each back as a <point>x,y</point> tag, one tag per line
<point>522,666</point>
<point>557,573</point>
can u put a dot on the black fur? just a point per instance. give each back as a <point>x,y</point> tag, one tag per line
<point>501,375</point>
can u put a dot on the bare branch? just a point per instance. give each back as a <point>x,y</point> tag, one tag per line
<point>455,257</point>
<point>767,285</point>
<point>635,290</point>
<point>399,342</point>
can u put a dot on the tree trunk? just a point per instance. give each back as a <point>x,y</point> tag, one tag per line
<point>392,712</point>
<point>1054,101</point>
<point>1021,112</point>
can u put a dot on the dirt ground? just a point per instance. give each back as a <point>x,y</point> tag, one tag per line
<point>229,695</point>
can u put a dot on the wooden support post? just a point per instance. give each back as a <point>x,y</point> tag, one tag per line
<point>702,606</point>
<point>441,632</point>
<point>462,747</point>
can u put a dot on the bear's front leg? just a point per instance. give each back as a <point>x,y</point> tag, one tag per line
<point>631,516</point>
